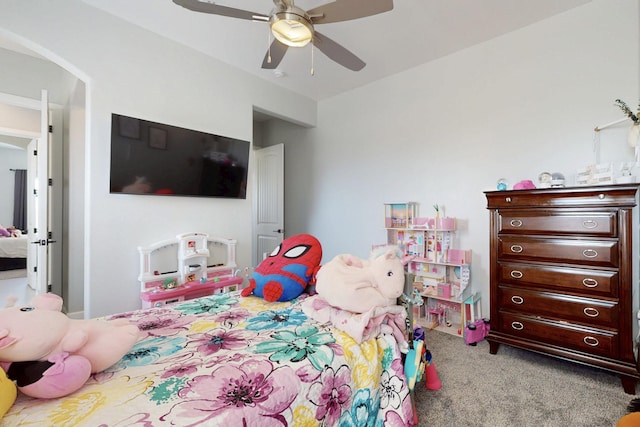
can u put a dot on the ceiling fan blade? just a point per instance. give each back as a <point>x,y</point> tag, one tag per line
<point>337,52</point>
<point>199,6</point>
<point>277,51</point>
<point>346,10</point>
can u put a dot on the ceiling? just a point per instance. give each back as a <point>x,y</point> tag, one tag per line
<point>413,33</point>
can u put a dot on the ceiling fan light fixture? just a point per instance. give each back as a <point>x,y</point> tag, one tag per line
<point>291,29</point>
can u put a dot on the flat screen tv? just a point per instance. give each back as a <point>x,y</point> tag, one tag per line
<point>155,158</point>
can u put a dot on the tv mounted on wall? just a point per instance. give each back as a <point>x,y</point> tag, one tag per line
<point>155,158</point>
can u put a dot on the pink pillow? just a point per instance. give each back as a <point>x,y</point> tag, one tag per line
<point>4,232</point>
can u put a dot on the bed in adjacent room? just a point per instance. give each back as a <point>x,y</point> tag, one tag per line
<point>13,253</point>
<point>229,360</point>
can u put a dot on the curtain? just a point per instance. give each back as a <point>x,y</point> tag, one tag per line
<point>20,200</point>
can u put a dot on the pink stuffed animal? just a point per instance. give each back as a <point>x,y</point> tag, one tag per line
<point>41,332</point>
<point>358,285</point>
<point>59,376</point>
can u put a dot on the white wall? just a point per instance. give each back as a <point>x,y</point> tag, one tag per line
<point>440,133</point>
<point>445,132</point>
<point>134,72</point>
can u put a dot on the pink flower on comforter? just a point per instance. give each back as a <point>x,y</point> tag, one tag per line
<point>252,394</point>
<point>163,324</point>
<point>217,339</point>
<point>331,394</point>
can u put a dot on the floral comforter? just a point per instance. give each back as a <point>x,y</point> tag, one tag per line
<point>227,360</point>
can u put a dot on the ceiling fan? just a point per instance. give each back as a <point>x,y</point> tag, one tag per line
<point>294,27</point>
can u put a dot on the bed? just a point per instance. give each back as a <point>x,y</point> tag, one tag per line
<point>228,360</point>
<point>13,253</point>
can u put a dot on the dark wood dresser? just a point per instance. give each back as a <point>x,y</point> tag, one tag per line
<point>564,274</point>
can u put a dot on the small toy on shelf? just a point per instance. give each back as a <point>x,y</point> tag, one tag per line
<point>525,184</point>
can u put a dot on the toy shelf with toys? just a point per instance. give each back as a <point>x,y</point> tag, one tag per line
<point>191,265</point>
<point>441,272</point>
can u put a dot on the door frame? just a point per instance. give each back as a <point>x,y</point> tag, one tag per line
<point>56,173</point>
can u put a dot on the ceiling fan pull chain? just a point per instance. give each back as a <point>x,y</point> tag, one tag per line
<point>312,71</point>
<point>269,47</point>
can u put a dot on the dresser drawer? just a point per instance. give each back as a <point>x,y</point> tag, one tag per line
<point>582,280</point>
<point>549,222</point>
<point>587,311</point>
<point>588,340</point>
<point>602,253</point>
<point>597,197</point>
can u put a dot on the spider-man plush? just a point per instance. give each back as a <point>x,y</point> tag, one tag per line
<point>288,270</point>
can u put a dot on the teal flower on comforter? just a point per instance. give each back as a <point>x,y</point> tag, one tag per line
<point>212,305</point>
<point>305,342</point>
<point>276,319</point>
<point>150,350</point>
<point>363,412</point>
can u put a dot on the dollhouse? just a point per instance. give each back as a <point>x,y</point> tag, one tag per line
<point>441,272</point>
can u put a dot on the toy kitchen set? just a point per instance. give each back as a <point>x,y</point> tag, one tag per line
<point>190,266</point>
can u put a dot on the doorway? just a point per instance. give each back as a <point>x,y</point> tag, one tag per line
<point>21,124</point>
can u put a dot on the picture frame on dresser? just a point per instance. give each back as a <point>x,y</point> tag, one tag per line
<point>564,274</point>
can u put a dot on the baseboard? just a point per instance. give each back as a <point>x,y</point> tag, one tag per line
<point>78,315</point>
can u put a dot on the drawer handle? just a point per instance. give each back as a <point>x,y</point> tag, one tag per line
<point>517,299</point>
<point>589,282</point>
<point>517,274</point>
<point>507,199</point>
<point>592,341</point>
<point>591,312</point>
<point>517,326</point>
<point>590,253</point>
<point>589,223</point>
<point>516,223</point>
<point>517,249</point>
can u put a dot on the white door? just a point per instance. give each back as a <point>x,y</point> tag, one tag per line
<point>38,204</point>
<point>268,201</point>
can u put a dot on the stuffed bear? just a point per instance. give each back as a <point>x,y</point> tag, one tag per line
<point>288,270</point>
<point>359,285</point>
<point>40,332</point>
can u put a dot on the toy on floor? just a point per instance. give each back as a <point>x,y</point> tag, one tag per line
<point>359,285</point>
<point>288,270</point>
<point>40,332</point>
<point>476,331</point>
<point>432,380</point>
<point>8,393</point>
<point>414,362</point>
<point>632,419</point>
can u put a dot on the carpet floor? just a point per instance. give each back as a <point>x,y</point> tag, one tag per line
<point>515,388</point>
